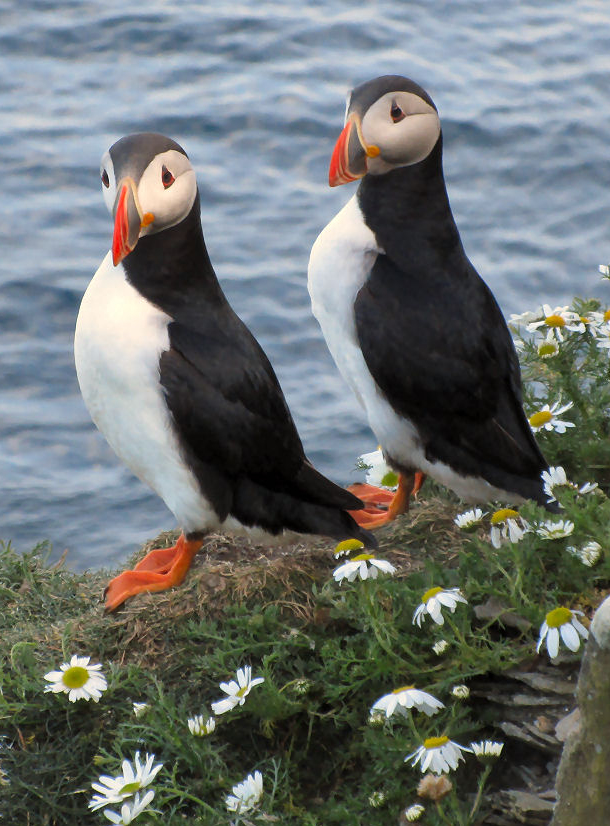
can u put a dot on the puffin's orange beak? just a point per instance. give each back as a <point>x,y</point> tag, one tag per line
<point>128,220</point>
<point>349,158</point>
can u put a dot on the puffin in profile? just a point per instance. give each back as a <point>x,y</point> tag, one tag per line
<point>414,330</point>
<point>178,385</point>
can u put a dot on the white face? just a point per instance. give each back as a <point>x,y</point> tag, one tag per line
<point>405,129</point>
<point>166,189</point>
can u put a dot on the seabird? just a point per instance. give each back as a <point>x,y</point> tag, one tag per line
<point>414,330</point>
<point>179,386</point>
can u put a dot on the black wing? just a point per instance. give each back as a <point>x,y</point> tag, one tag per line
<point>238,435</point>
<point>438,347</point>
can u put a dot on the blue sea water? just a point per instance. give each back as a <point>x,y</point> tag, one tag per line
<point>255,93</point>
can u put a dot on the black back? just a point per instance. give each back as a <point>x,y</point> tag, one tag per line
<point>434,338</point>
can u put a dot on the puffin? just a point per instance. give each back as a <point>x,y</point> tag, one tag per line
<point>414,330</point>
<point>178,385</point>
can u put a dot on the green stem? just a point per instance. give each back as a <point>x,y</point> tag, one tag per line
<point>477,800</point>
<point>188,796</point>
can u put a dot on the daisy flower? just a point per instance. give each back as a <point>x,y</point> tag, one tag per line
<point>434,600</point>
<point>377,799</point>
<point>440,647</point>
<point>487,750</point>
<point>78,679</point>
<point>236,691</point>
<point>347,547</point>
<point>521,319</point>
<point>439,754</point>
<point>555,530</point>
<point>554,319</point>
<point>357,566</point>
<point>133,778</point>
<point>139,708</point>
<point>605,270</point>
<point>407,697</point>
<point>507,526</point>
<point>547,418</point>
<point>603,337</point>
<point>462,692</point>
<point>378,472</point>
<point>554,477</point>
<point>561,622</point>
<point>548,347</point>
<point>414,812</point>
<point>588,554</point>
<point>130,810</point>
<point>200,727</point>
<point>469,520</point>
<point>246,794</point>
<point>588,487</point>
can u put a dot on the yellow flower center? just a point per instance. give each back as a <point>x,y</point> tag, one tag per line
<point>435,742</point>
<point>584,319</point>
<point>540,418</point>
<point>361,557</point>
<point>498,517</point>
<point>75,677</point>
<point>130,788</point>
<point>549,348</point>
<point>607,315</point>
<point>348,545</point>
<point>554,321</point>
<point>558,617</point>
<point>403,688</point>
<point>243,690</point>
<point>432,592</point>
<point>390,479</point>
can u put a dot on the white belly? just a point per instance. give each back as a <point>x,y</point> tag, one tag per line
<point>118,340</point>
<point>340,262</point>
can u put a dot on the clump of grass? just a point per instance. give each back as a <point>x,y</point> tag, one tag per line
<point>327,652</point>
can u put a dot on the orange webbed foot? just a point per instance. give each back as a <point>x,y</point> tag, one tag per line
<point>160,569</point>
<point>383,506</point>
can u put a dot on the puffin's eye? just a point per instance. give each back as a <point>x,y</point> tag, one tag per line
<point>396,112</point>
<point>166,177</point>
<point>105,179</point>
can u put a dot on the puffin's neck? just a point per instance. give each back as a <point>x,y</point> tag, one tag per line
<point>172,269</point>
<point>409,206</point>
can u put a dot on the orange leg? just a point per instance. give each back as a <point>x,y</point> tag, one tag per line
<point>381,506</point>
<point>160,569</point>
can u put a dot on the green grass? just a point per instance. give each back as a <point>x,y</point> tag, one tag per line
<point>326,651</point>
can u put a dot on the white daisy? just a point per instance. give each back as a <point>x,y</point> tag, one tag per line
<point>469,520</point>
<point>434,600</point>
<point>357,566</point>
<point>130,810</point>
<point>439,754</point>
<point>548,347</point>
<point>440,647</point>
<point>407,697</point>
<point>555,530</point>
<point>133,778</point>
<point>378,472</point>
<point>547,418</point>
<point>588,487</point>
<point>199,726</point>
<point>507,526</point>
<point>588,554</point>
<point>561,622</point>
<point>462,692</point>
<point>246,794</point>
<point>603,337</point>
<point>517,320</point>
<point>605,270</point>
<point>554,477</point>
<point>487,750</point>
<point>236,691</point>
<point>78,679</point>
<point>139,709</point>
<point>554,320</point>
<point>414,812</point>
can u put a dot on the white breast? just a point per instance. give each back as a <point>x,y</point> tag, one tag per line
<point>340,262</point>
<point>118,341</point>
